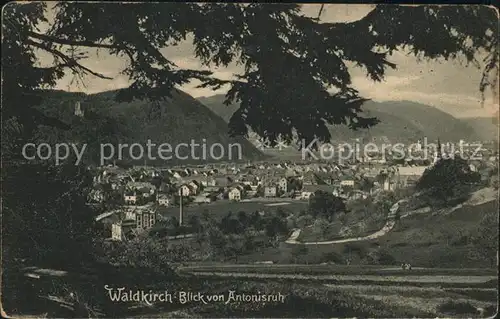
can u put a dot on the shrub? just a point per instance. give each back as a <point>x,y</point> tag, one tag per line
<point>356,248</point>
<point>304,221</point>
<point>385,258</point>
<point>485,241</point>
<point>448,182</point>
<point>299,251</point>
<point>457,308</point>
<point>332,257</point>
<point>490,311</point>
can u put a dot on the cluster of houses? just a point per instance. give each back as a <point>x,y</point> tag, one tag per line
<point>128,220</point>
<point>141,190</point>
<point>140,186</point>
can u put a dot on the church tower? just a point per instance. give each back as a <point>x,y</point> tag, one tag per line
<point>438,153</point>
<point>78,109</point>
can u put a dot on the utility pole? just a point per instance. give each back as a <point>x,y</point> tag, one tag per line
<point>180,206</point>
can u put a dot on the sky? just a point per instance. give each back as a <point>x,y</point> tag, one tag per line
<point>447,85</point>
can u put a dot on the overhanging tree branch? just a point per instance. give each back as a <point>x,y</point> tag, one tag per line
<point>68,61</point>
<point>52,39</point>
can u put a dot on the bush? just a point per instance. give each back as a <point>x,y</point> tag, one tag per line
<point>485,240</point>
<point>325,205</point>
<point>299,251</point>
<point>380,257</point>
<point>332,257</point>
<point>448,182</point>
<point>355,248</point>
<point>457,308</point>
<point>304,221</point>
<point>145,253</point>
<point>490,311</point>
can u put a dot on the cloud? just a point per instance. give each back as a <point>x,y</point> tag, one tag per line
<point>402,88</point>
<point>337,12</point>
<point>367,86</point>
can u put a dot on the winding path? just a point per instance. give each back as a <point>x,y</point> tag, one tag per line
<point>389,225</point>
<point>479,197</point>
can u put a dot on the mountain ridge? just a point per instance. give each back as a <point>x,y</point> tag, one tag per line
<point>175,120</point>
<point>401,121</point>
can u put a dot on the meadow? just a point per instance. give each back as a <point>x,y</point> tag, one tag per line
<point>313,300</point>
<point>439,239</point>
<point>364,270</point>
<point>219,209</point>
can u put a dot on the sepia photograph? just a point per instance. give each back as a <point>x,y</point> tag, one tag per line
<point>249,160</point>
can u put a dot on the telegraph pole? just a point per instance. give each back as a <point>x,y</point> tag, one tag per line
<point>180,206</point>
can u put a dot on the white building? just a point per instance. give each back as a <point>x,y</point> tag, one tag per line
<point>130,199</point>
<point>235,194</point>
<point>184,190</point>
<point>194,187</point>
<point>412,170</point>
<point>306,194</point>
<point>116,232</point>
<point>202,199</point>
<point>283,185</point>
<point>347,182</point>
<point>419,146</point>
<point>163,200</point>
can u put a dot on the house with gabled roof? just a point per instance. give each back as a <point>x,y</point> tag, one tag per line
<point>185,190</point>
<point>270,191</point>
<point>235,194</point>
<point>121,222</point>
<point>163,200</point>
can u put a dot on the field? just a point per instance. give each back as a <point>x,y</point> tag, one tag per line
<point>221,208</point>
<point>354,291</point>
<point>337,270</point>
<point>326,300</point>
<point>345,275</point>
<point>444,282</point>
<point>447,280</point>
<point>368,291</point>
<point>357,230</point>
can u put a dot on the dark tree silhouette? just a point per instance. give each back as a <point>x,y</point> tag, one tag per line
<point>298,251</point>
<point>45,218</point>
<point>326,205</point>
<point>275,226</point>
<point>448,180</point>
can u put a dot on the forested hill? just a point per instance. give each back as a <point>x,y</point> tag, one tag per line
<point>179,119</point>
<point>400,121</point>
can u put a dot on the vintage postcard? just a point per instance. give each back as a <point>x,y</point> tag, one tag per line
<point>249,160</point>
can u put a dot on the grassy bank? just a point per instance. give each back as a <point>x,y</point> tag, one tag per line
<point>308,300</point>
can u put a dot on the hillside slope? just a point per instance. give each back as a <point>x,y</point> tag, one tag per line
<point>484,126</point>
<point>432,121</point>
<point>401,121</point>
<point>216,104</point>
<point>179,119</point>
